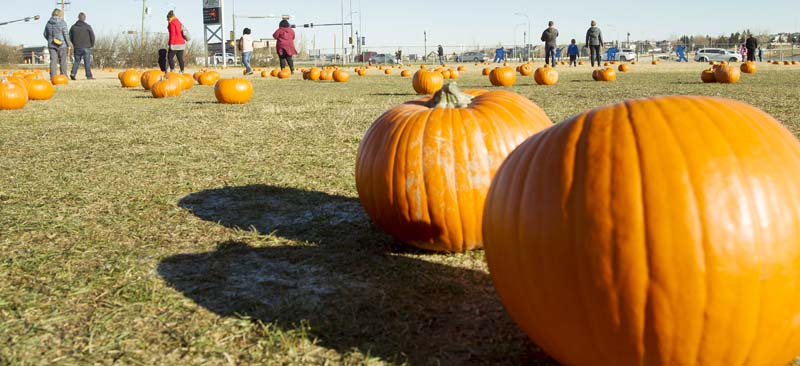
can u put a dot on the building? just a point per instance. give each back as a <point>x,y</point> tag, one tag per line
<point>35,55</point>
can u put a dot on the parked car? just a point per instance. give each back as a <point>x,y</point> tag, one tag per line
<point>472,56</point>
<point>716,54</point>
<point>364,56</point>
<point>383,58</point>
<point>625,54</point>
<point>217,59</point>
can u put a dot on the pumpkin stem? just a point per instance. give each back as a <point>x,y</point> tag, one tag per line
<point>449,96</point>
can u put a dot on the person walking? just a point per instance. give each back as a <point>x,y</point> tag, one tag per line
<point>499,54</point>
<point>177,41</point>
<point>398,56</point>
<point>82,37</point>
<point>285,44</point>
<point>594,40</point>
<point>743,51</point>
<point>751,43</point>
<point>440,52</point>
<point>760,54</point>
<point>549,37</point>
<point>55,32</point>
<point>681,52</point>
<point>246,46</point>
<point>573,52</point>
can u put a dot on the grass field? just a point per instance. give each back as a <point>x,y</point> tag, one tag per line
<point>181,231</point>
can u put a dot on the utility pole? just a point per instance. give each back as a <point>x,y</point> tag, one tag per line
<point>425,55</point>
<point>141,35</point>
<point>235,45</point>
<point>344,50</point>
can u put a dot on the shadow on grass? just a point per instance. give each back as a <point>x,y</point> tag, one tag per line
<point>354,290</point>
<point>392,94</point>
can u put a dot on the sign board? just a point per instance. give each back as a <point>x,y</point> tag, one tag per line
<point>212,12</point>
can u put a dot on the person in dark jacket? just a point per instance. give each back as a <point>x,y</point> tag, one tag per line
<point>55,32</point>
<point>440,52</point>
<point>751,43</point>
<point>285,44</point>
<point>82,37</point>
<point>594,40</point>
<point>549,38</point>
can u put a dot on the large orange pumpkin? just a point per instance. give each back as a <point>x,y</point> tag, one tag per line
<point>188,81</point>
<point>502,76</point>
<point>658,232</point>
<point>314,73</point>
<point>526,69</point>
<point>427,82</point>
<point>12,95</point>
<point>233,91</point>
<point>545,76</point>
<point>423,168</point>
<point>607,74</point>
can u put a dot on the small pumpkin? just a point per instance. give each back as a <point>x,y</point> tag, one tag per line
<point>341,76</point>
<point>233,91</point>
<point>726,74</point>
<point>149,78</point>
<point>314,73</point>
<point>130,79</point>
<point>654,62</point>
<point>285,73</point>
<point>545,76</point>
<point>707,76</point>
<point>209,78</point>
<point>60,80</point>
<point>623,68</point>
<point>748,67</point>
<point>387,71</point>
<point>405,73</point>
<point>40,89</point>
<point>427,82</point>
<point>326,75</point>
<point>454,74</point>
<point>462,68</point>
<point>607,74</point>
<point>525,69</point>
<point>187,81</point>
<point>486,71</point>
<point>12,95</point>
<point>424,182</point>
<point>502,76</point>
<point>274,72</point>
<point>362,72</point>
<point>167,87</point>
<point>264,74</point>
<point>580,62</point>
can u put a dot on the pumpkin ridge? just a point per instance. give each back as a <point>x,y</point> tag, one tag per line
<point>757,232</point>
<point>400,149</point>
<point>424,173</point>
<point>698,206</point>
<point>453,171</point>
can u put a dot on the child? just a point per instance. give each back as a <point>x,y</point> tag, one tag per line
<point>572,51</point>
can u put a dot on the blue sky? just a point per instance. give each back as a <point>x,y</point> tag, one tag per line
<point>393,24</point>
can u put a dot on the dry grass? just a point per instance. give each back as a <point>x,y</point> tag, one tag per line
<point>181,231</point>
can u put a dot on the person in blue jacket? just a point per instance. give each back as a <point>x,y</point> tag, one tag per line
<point>681,51</point>
<point>558,54</point>
<point>499,54</point>
<point>573,52</point>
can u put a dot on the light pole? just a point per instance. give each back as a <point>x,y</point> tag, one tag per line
<point>425,54</point>
<point>528,18</point>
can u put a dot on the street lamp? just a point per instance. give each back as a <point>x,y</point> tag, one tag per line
<point>528,18</point>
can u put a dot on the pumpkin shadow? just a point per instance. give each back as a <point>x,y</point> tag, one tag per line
<point>354,287</point>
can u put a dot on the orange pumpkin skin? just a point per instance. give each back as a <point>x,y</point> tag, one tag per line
<point>284,74</point>
<point>196,76</point>
<point>545,76</point>
<point>526,69</point>
<point>40,89</point>
<point>422,171</point>
<point>314,73</point>
<point>209,78</point>
<point>486,71</point>
<point>60,80</point>
<point>341,76</point>
<point>129,79</point>
<point>748,67</point>
<point>405,73</point>
<point>326,75</point>
<point>169,87</point>
<point>655,232</point>
<point>607,74</point>
<point>707,76</point>
<point>12,95</point>
<point>274,72</point>
<point>502,76</point>
<point>427,82</point>
<point>362,72</point>
<point>462,68</point>
<point>623,68</point>
<point>654,62</point>
<point>233,91</point>
<point>187,81</point>
<point>726,74</point>
<point>149,78</point>
<point>454,74</point>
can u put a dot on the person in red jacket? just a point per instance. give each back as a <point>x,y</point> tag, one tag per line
<point>285,44</point>
<point>177,40</point>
